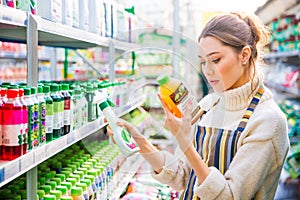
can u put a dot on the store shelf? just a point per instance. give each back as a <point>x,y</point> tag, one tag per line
<point>283,54</point>
<point>60,35</point>
<point>291,91</point>
<point>12,25</point>
<point>12,169</point>
<point>125,174</point>
<point>19,56</point>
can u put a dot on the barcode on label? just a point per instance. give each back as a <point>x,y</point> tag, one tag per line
<point>49,129</point>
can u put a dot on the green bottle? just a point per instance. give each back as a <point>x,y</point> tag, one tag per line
<point>49,113</point>
<point>56,111</point>
<point>30,104</point>
<point>36,117</point>
<point>42,115</point>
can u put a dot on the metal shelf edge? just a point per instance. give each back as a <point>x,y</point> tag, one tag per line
<point>12,169</point>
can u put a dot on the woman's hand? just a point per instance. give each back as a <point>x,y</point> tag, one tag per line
<point>179,127</point>
<point>132,129</point>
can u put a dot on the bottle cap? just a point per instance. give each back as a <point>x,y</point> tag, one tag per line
<point>23,193</point>
<point>61,176</point>
<point>40,89</point>
<point>5,193</point>
<point>66,198</point>
<point>53,184</point>
<point>14,86</point>
<point>33,90</point>
<point>12,93</point>
<point>76,191</point>
<point>65,87</point>
<point>27,91</point>
<point>41,193</point>
<point>72,181</point>
<point>82,185</point>
<point>21,92</point>
<point>49,197</point>
<point>103,105</point>
<point>46,88</point>
<point>86,181</point>
<point>62,188</point>
<point>54,88</point>
<point>56,193</point>
<point>66,184</point>
<point>15,197</point>
<point>162,79</point>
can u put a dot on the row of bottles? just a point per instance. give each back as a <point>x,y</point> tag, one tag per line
<point>33,116</point>
<point>74,174</point>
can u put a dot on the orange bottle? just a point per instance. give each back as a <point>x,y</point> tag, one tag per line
<point>175,94</point>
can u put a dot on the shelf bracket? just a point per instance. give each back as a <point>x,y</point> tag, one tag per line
<point>88,63</point>
<point>32,51</point>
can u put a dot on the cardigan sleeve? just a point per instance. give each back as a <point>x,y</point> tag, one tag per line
<point>175,172</point>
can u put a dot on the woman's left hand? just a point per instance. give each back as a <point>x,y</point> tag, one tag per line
<point>179,127</point>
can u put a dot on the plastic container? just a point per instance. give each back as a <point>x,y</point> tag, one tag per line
<point>25,121</point>
<point>27,5</point>
<point>56,111</point>
<point>175,94</point>
<point>77,193</point>
<point>42,116</point>
<point>61,110</point>
<point>83,14</point>
<point>67,108</point>
<point>36,117</point>
<point>121,136</point>
<point>12,126</point>
<point>30,111</point>
<point>95,13</point>
<point>67,15</point>
<point>49,113</point>
<point>90,97</point>
<point>51,10</point>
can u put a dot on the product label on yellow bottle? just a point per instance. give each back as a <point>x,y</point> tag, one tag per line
<point>180,94</point>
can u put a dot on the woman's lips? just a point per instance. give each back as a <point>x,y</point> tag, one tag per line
<point>213,82</point>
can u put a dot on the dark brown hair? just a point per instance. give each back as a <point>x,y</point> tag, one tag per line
<point>238,30</point>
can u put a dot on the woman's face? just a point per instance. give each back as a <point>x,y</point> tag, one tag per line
<point>221,65</point>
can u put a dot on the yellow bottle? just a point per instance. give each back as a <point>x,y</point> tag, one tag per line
<point>175,94</point>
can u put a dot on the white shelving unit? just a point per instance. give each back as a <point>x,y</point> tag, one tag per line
<point>21,27</point>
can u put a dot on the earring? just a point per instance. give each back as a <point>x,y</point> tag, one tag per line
<point>244,63</point>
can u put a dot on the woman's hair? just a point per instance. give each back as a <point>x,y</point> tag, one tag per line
<point>238,30</point>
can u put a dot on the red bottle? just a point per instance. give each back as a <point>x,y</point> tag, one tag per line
<point>12,126</point>
<point>24,121</point>
<point>3,99</point>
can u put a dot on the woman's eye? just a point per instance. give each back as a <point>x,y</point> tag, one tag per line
<point>202,63</point>
<point>216,60</point>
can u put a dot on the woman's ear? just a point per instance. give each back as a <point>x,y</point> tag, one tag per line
<point>245,54</point>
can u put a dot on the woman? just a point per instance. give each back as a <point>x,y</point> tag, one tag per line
<point>241,141</point>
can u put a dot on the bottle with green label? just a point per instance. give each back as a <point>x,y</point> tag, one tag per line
<point>42,115</point>
<point>56,110</point>
<point>78,107</point>
<point>30,108</point>
<point>49,113</point>
<point>36,117</point>
<point>61,110</point>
